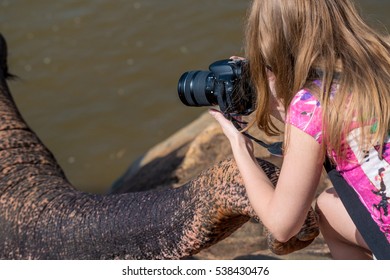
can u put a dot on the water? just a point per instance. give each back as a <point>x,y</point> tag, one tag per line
<point>98,78</point>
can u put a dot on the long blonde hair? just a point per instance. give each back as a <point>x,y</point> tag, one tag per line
<point>295,37</point>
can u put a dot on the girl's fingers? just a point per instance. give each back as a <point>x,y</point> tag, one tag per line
<point>219,117</point>
<point>235,57</point>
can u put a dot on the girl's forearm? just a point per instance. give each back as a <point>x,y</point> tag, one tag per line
<point>262,195</point>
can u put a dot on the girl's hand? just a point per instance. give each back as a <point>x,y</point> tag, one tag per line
<point>235,57</point>
<point>235,137</point>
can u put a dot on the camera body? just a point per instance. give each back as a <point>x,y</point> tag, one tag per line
<point>227,85</point>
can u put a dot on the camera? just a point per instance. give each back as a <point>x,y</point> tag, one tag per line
<point>227,85</point>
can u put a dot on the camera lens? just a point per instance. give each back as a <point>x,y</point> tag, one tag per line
<point>196,88</point>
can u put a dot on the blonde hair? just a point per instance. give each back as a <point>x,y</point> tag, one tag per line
<point>295,37</point>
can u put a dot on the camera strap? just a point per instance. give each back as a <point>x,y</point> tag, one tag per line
<point>275,149</point>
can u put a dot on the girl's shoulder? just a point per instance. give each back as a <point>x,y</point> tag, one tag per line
<point>305,113</point>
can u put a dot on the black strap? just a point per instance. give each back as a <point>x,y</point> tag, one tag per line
<point>374,237</point>
<point>328,165</point>
<point>275,149</point>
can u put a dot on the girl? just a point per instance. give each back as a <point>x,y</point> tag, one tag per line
<point>330,73</point>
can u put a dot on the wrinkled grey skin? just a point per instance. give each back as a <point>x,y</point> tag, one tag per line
<point>42,216</point>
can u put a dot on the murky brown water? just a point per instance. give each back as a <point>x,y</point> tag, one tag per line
<point>98,78</point>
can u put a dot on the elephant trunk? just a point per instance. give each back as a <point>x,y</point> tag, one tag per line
<point>42,216</point>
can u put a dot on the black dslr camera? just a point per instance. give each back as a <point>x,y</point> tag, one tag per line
<point>227,85</point>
